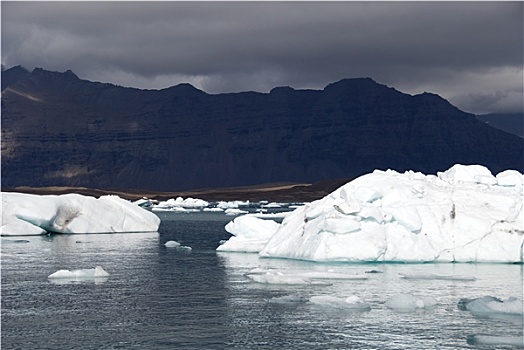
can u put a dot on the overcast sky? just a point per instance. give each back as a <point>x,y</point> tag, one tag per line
<point>470,53</point>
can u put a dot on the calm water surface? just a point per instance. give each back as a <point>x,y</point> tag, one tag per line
<point>163,298</point>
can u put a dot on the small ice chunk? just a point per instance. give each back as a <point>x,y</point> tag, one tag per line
<point>410,302</point>
<point>495,340</point>
<point>184,248</point>
<point>431,276</point>
<point>97,272</point>
<point>288,299</point>
<point>172,244</point>
<point>352,302</point>
<point>491,305</point>
<point>277,277</point>
<point>333,276</point>
<point>235,211</point>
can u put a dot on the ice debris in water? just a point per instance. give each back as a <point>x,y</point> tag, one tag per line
<point>288,299</point>
<point>97,272</point>
<point>491,305</point>
<point>431,276</point>
<point>178,246</point>
<point>495,340</point>
<point>291,276</point>
<point>276,277</point>
<point>352,302</point>
<point>405,301</point>
<point>172,244</point>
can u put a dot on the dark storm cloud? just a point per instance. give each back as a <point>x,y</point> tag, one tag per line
<point>469,52</point>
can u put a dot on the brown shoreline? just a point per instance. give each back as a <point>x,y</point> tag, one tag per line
<point>279,192</point>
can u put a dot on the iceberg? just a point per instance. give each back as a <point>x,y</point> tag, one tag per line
<point>27,214</point>
<point>464,214</point>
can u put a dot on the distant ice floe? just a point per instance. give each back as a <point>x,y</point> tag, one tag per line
<point>181,203</point>
<point>27,214</point>
<point>98,274</point>
<point>464,214</point>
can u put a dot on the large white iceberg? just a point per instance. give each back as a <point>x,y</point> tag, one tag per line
<point>464,214</point>
<point>26,214</point>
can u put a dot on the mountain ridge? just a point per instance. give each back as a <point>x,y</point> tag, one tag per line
<point>58,129</point>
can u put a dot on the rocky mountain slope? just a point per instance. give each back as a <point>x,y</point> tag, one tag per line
<point>59,130</point>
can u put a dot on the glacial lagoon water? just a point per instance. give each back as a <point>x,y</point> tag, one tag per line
<point>165,298</point>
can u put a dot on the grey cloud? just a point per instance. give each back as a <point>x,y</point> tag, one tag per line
<point>236,46</point>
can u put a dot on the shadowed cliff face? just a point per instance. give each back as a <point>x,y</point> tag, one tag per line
<point>60,130</point>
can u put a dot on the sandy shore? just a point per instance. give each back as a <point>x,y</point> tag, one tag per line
<point>281,192</point>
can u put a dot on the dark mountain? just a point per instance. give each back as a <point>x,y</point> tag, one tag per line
<point>60,130</point>
<point>13,75</point>
<point>508,122</point>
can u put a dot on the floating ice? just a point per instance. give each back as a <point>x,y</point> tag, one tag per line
<point>432,276</point>
<point>179,202</point>
<point>410,302</point>
<point>495,340</point>
<point>26,214</point>
<point>270,276</point>
<point>464,214</point>
<point>250,234</point>
<point>97,272</point>
<point>262,215</point>
<point>235,211</point>
<point>291,276</point>
<point>490,305</point>
<point>352,302</point>
<point>232,205</point>
<point>184,248</point>
<point>172,244</point>
<point>288,299</point>
<point>327,275</point>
